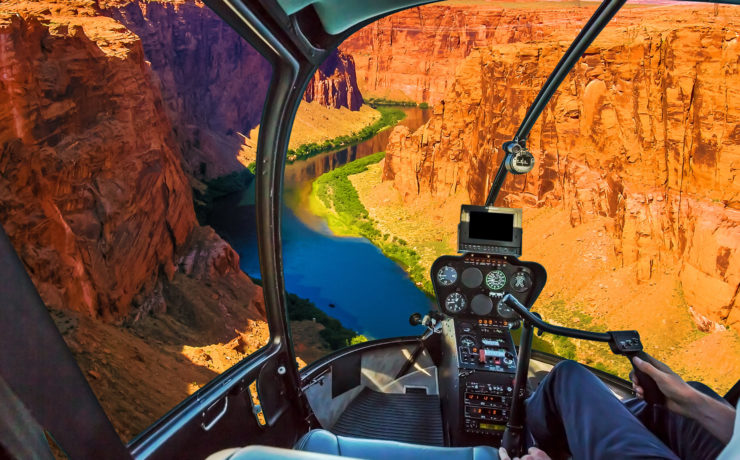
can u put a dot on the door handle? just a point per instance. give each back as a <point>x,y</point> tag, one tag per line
<point>219,416</point>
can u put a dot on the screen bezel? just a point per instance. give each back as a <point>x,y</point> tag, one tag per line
<point>464,229</point>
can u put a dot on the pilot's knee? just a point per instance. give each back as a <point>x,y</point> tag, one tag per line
<point>568,369</point>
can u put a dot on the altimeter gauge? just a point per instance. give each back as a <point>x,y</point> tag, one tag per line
<point>496,280</point>
<point>447,276</point>
<point>455,302</point>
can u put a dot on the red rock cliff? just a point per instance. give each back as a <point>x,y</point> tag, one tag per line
<point>413,54</point>
<point>335,83</point>
<point>645,131</point>
<point>94,196</point>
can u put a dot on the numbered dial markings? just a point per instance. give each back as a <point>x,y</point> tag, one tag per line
<point>496,280</point>
<point>447,276</point>
<point>455,302</point>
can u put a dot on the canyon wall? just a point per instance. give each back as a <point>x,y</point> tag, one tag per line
<point>214,83</point>
<point>94,198</point>
<point>644,131</point>
<point>413,54</point>
<point>335,83</point>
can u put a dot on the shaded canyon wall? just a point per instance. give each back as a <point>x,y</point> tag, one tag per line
<point>214,83</point>
<point>94,196</point>
<point>645,131</point>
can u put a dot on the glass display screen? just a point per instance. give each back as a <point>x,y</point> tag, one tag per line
<point>491,226</point>
<point>491,426</point>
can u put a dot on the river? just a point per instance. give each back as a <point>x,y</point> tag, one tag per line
<point>348,278</point>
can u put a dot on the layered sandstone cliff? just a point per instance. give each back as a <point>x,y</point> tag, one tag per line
<point>645,132</point>
<point>99,208</point>
<point>335,83</point>
<point>94,198</point>
<point>213,83</point>
<point>413,54</point>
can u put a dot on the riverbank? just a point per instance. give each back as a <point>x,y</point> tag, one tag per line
<point>588,286</point>
<point>334,198</point>
<point>311,126</point>
<point>389,116</point>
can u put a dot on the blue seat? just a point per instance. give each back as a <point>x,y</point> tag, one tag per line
<point>324,442</point>
<point>323,445</point>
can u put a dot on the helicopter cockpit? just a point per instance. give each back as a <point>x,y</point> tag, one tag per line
<point>457,390</point>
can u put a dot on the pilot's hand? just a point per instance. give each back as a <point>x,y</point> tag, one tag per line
<point>533,454</point>
<point>679,395</point>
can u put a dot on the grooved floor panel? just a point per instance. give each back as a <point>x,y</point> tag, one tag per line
<point>414,418</point>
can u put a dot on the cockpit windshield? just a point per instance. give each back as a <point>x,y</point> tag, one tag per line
<point>130,143</point>
<point>629,205</point>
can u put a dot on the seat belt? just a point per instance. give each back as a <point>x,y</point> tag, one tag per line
<point>41,371</point>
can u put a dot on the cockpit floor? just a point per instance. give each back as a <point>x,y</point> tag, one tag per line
<point>410,417</point>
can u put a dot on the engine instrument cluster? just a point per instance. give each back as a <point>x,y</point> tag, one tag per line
<point>473,284</point>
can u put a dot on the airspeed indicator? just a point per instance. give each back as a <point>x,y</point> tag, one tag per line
<point>496,280</point>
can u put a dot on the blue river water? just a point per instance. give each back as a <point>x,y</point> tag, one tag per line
<point>348,278</point>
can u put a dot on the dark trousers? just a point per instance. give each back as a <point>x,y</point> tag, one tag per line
<point>573,412</point>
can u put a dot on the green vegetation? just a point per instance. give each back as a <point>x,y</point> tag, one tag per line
<point>334,334</point>
<point>334,191</point>
<point>377,102</point>
<point>389,116</point>
<point>240,180</point>
<point>597,355</point>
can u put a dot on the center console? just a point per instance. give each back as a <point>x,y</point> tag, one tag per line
<point>479,357</point>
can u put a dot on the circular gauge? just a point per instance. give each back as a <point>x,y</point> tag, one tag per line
<point>467,341</point>
<point>472,277</point>
<point>521,282</point>
<point>505,311</point>
<point>481,304</point>
<point>447,275</point>
<point>496,280</point>
<point>455,302</point>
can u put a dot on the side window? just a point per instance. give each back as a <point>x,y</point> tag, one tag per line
<point>630,207</point>
<point>126,141</point>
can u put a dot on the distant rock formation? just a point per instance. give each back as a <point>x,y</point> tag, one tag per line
<point>335,83</point>
<point>645,131</point>
<point>413,54</point>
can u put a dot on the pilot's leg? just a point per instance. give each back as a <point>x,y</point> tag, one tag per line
<point>574,411</point>
<point>684,436</point>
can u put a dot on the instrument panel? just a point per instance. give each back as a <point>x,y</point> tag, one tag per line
<point>472,284</point>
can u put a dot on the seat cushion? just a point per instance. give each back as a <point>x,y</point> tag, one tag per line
<point>270,453</point>
<point>324,442</point>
